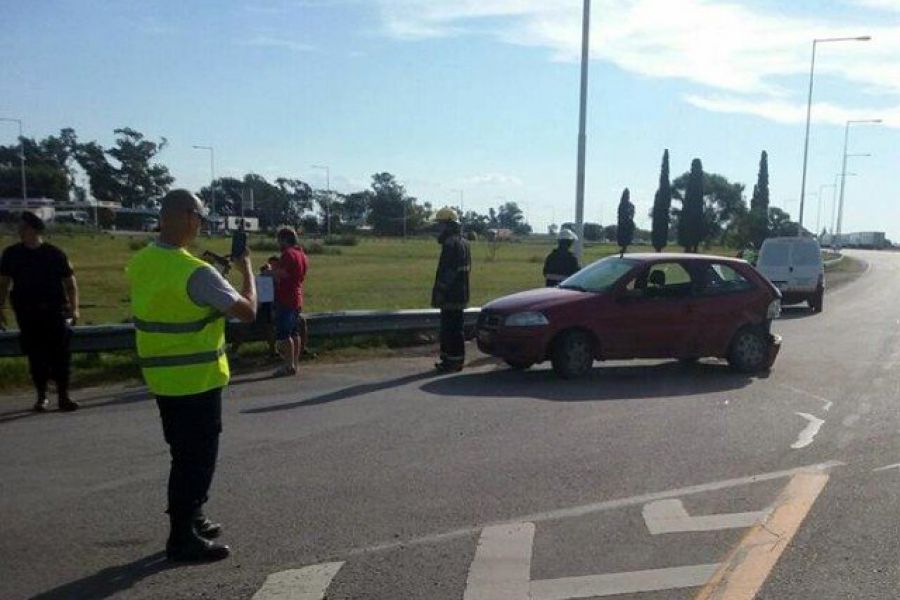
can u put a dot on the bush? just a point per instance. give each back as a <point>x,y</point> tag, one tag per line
<point>315,247</point>
<point>341,240</point>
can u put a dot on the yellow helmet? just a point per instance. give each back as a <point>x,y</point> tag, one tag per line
<point>447,215</point>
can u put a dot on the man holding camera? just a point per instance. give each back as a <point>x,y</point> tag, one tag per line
<point>179,304</point>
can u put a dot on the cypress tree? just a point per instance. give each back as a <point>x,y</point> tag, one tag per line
<point>625,226</point>
<point>662,205</point>
<point>690,227</point>
<point>759,203</point>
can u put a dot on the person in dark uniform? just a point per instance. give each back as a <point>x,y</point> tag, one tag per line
<point>45,302</point>
<point>561,263</point>
<point>451,291</point>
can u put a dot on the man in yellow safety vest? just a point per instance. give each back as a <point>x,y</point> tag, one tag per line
<point>179,304</point>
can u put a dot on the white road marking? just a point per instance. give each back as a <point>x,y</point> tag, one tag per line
<point>809,432</point>
<point>587,509</point>
<point>308,583</point>
<point>886,468</point>
<point>501,569</point>
<point>612,584</point>
<point>670,516</point>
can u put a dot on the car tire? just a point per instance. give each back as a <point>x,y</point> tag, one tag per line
<point>517,365</point>
<point>573,354</point>
<point>749,351</point>
<point>817,302</point>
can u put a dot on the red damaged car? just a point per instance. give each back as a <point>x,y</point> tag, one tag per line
<point>682,306</point>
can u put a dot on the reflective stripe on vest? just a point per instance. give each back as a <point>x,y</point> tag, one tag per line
<point>162,327</point>
<point>180,360</point>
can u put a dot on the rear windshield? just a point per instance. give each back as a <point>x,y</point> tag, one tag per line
<point>807,254</point>
<point>775,255</point>
<point>599,276</point>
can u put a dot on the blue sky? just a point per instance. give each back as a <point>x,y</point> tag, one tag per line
<point>477,95</point>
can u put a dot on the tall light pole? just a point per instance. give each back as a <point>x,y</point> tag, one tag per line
<point>582,127</point>
<point>21,155</point>
<point>840,218</point>
<point>812,67</point>
<point>328,192</point>
<point>837,176</point>
<point>212,180</point>
<point>819,211</point>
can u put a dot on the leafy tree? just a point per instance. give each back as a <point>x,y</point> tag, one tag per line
<point>722,209</point>
<point>690,225</point>
<point>780,224</point>
<point>593,232</point>
<point>49,167</point>
<point>611,232</point>
<point>662,207</point>
<point>476,223</point>
<point>759,203</point>
<point>356,207</point>
<point>389,206</point>
<point>625,223</point>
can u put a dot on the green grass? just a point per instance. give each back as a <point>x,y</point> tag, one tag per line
<point>374,274</point>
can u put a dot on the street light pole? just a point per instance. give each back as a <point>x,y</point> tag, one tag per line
<point>328,192</point>
<point>819,211</point>
<point>812,68</point>
<point>212,180</point>
<point>840,217</point>
<point>21,155</point>
<point>582,127</point>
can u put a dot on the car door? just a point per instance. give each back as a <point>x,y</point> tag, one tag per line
<point>652,317</point>
<point>722,297</point>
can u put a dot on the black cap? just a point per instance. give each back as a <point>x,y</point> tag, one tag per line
<point>33,221</point>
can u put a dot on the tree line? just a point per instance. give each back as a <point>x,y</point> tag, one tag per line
<point>129,173</point>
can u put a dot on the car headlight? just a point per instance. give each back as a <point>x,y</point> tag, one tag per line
<point>526,319</point>
<point>774,310</point>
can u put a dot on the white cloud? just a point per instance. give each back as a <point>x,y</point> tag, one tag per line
<point>265,41</point>
<point>721,46</point>
<point>492,179</point>
<point>880,4</point>
<point>782,111</point>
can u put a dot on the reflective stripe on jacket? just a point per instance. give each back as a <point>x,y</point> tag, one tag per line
<point>180,345</point>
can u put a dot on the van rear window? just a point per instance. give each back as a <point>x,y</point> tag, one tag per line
<point>775,255</point>
<point>807,254</point>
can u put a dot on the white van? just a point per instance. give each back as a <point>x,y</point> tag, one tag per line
<point>794,265</point>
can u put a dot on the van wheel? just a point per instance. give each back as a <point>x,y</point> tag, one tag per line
<point>817,302</point>
<point>573,354</point>
<point>749,351</point>
<point>518,365</point>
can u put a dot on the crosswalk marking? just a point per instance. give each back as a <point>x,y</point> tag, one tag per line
<point>612,584</point>
<point>501,569</point>
<point>308,583</point>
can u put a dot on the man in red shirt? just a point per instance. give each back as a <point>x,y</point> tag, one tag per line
<point>289,274</point>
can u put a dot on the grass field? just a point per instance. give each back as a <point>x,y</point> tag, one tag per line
<point>375,274</point>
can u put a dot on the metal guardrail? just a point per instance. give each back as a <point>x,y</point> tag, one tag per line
<point>833,261</point>
<point>108,338</point>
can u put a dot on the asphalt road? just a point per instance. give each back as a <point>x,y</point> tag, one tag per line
<point>493,484</point>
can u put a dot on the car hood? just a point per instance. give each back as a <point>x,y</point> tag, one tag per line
<point>538,299</point>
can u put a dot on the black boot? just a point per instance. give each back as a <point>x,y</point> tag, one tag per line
<point>205,528</point>
<point>66,404</point>
<point>41,405</point>
<point>185,545</point>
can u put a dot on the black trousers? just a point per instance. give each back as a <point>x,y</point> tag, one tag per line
<point>44,337</point>
<point>191,426</point>
<point>453,341</point>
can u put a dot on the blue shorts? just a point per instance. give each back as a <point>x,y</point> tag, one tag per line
<point>287,322</point>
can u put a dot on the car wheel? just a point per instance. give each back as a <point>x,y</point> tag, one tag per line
<point>573,354</point>
<point>817,302</point>
<point>518,365</point>
<point>749,351</point>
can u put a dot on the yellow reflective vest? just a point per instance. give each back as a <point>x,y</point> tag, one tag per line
<point>180,345</point>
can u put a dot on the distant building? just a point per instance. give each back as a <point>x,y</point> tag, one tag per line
<point>11,208</point>
<point>862,239</point>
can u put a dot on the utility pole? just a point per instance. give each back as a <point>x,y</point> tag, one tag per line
<point>582,127</point>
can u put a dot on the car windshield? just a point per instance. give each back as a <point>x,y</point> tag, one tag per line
<point>599,276</point>
<point>775,255</point>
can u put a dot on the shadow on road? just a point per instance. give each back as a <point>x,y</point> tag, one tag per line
<point>789,313</point>
<point>87,403</point>
<point>631,382</point>
<point>343,394</point>
<point>110,581</point>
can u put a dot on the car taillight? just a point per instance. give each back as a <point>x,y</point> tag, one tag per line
<point>774,310</point>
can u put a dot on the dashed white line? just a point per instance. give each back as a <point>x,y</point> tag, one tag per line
<point>886,468</point>
<point>308,583</point>
<point>809,432</point>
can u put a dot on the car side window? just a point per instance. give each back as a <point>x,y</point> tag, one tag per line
<point>661,281</point>
<point>717,279</point>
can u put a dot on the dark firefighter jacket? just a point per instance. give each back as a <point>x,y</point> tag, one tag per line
<point>451,282</point>
<point>560,264</point>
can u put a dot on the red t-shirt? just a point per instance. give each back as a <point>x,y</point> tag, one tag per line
<point>289,283</point>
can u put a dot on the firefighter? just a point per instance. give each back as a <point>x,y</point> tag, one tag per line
<point>561,263</point>
<point>451,290</point>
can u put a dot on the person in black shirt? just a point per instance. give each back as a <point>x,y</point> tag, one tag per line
<point>561,263</point>
<point>45,300</point>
